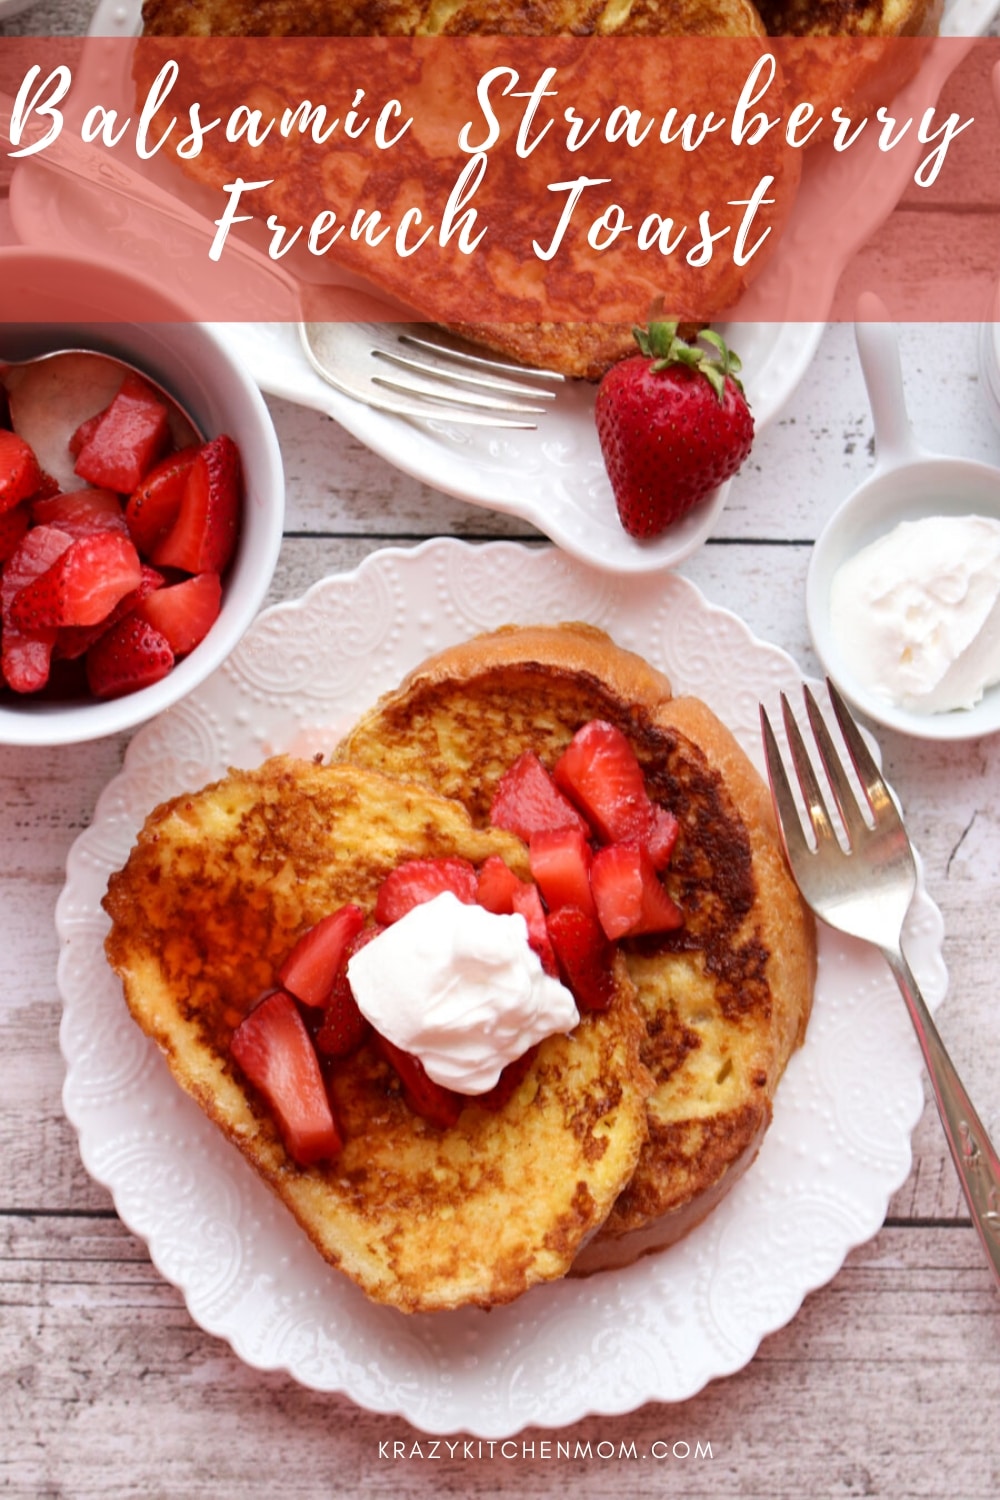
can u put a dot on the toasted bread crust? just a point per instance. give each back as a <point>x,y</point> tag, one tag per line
<point>725,999</point>
<point>450,18</point>
<point>706,1124</point>
<point>216,891</point>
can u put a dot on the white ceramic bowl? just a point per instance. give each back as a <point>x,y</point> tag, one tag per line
<point>191,362</point>
<point>907,484</point>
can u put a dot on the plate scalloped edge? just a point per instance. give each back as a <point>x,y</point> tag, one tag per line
<point>839,1145</point>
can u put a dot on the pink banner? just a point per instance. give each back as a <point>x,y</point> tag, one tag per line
<point>505,180</point>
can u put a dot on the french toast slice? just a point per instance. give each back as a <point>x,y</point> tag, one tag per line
<point>218,887</point>
<point>725,999</point>
<point>579,350</point>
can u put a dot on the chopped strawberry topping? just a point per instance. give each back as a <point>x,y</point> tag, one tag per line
<point>82,586</point>
<point>125,444</point>
<point>599,771</point>
<point>129,656</point>
<point>585,956</point>
<point>419,880</point>
<point>344,1027</point>
<point>560,863</point>
<point>275,1051</point>
<point>662,836</point>
<point>434,1103</point>
<point>311,968</point>
<point>629,895</point>
<point>528,904</point>
<point>80,512</point>
<point>20,475</point>
<point>497,886</point>
<point>185,612</point>
<point>154,507</point>
<point>527,801</point>
<point>203,537</point>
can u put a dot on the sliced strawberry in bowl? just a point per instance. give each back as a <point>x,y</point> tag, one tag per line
<point>73,641</point>
<point>311,967</point>
<point>83,434</point>
<point>629,895</point>
<point>14,524</point>
<point>275,1051</point>
<point>130,437</point>
<point>585,956</point>
<point>35,554</point>
<point>81,512</point>
<point>527,801</point>
<point>129,656</point>
<point>154,506</point>
<point>560,863</point>
<point>26,660</point>
<point>27,654</point>
<point>203,537</point>
<point>20,475</point>
<point>185,612</point>
<point>432,1101</point>
<point>418,880</point>
<point>82,586</point>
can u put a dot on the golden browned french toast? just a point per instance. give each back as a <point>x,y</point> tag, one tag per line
<point>854,18</point>
<point>218,888</point>
<point>726,997</point>
<point>450,17</point>
<point>577,349</point>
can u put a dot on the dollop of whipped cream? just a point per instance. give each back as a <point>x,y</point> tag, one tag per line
<point>462,989</point>
<point>917,613</point>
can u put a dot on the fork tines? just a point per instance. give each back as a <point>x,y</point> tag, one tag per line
<point>856,817</point>
<point>434,368</point>
<point>416,370</point>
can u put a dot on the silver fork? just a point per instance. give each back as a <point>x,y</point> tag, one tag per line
<point>866,891</point>
<point>410,369</point>
<point>416,370</point>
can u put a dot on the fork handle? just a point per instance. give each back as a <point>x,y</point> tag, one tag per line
<point>975,1159</point>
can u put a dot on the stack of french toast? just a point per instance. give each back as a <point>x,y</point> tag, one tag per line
<point>609,1142</point>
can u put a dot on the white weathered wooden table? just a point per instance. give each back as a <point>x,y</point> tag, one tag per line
<point>887,1382</point>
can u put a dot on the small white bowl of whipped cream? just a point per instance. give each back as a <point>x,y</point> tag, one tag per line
<point>903,589</point>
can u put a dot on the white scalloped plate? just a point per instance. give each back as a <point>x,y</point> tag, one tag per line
<point>838,1148</point>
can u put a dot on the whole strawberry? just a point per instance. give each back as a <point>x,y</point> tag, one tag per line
<point>673,424</point>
